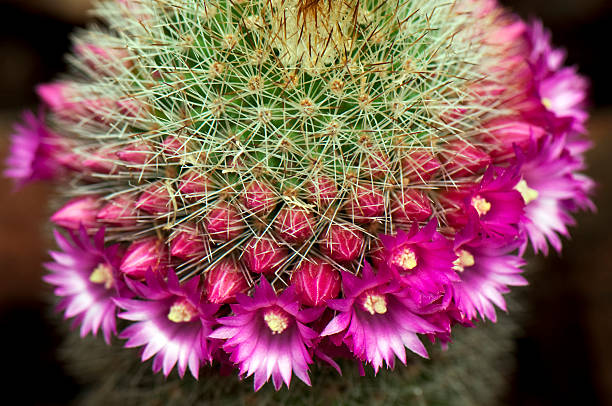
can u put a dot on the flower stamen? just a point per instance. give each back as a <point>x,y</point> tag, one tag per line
<point>276,321</point>
<point>481,205</point>
<point>375,304</point>
<point>529,194</point>
<point>406,259</point>
<point>182,311</point>
<point>464,259</point>
<point>103,274</point>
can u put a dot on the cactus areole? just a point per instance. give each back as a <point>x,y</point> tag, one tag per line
<point>263,180</point>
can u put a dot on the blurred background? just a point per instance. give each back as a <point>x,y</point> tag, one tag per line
<point>564,353</point>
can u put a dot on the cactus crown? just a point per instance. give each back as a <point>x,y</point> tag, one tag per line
<point>281,94</point>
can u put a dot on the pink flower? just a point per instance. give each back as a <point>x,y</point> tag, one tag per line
<point>548,182</point>
<point>171,321</point>
<point>85,275</point>
<point>34,153</point>
<point>421,259</point>
<point>267,336</point>
<point>377,319</point>
<point>487,270</point>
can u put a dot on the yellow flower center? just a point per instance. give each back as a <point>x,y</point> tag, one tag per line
<point>546,102</point>
<point>406,259</point>
<point>103,275</point>
<point>277,321</point>
<point>529,194</point>
<point>182,311</point>
<point>375,304</point>
<point>465,259</point>
<point>481,205</point>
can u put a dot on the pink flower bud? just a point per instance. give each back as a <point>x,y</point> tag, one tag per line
<point>342,242</point>
<point>103,60</point>
<point>55,95</point>
<point>142,255</point>
<point>224,281</point>
<point>101,161</point>
<point>120,211</point>
<point>223,223</point>
<point>133,108</point>
<point>264,255</point>
<point>194,185</point>
<point>366,204</point>
<point>259,198</point>
<point>323,191</point>
<point>294,224</point>
<point>174,147</point>
<point>510,132</point>
<point>188,242</point>
<point>315,281</point>
<point>409,206</point>
<point>155,199</point>
<point>463,159</point>
<point>82,210</point>
<point>375,164</point>
<point>420,166</point>
<point>138,153</point>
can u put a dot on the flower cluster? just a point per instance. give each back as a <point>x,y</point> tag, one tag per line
<point>253,202</point>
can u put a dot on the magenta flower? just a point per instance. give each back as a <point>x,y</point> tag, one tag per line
<point>564,94</point>
<point>377,319</point>
<point>33,152</point>
<point>561,90</point>
<point>543,58</point>
<point>267,336</point>
<point>495,203</point>
<point>172,322</point>
<point>487,269</point>
<point>421,259</point>
<point>85,275</point>
<point>547,184</point>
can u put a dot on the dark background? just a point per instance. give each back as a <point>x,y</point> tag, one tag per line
<point>564,353</point>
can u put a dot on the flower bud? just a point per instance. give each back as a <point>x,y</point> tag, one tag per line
<point>342,243</point>
<point>366,204</point>
<point>409,206</point>
<point>155,199</point>
<point>55,95</point>
<point>101,161</point>
<point>420,166</point>
<point>79,211</point>
<point>193,185</point>
<point>142,255</point>
<point>322,191</point>
<point>264,255</point>
<point>174,147</point>
<point>223,223</point>
<point>259,198</point>
<point>315,281</point>
<point>138,153</point>
<point>120,211</point>
<point>188,242</point>
<point>464,159</point>
<point>224,281</point>
<point>103,60</point>
<point>294,224</point>
<point>375,164</point>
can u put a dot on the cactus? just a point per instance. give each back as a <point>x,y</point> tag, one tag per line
<point>276,147</point>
